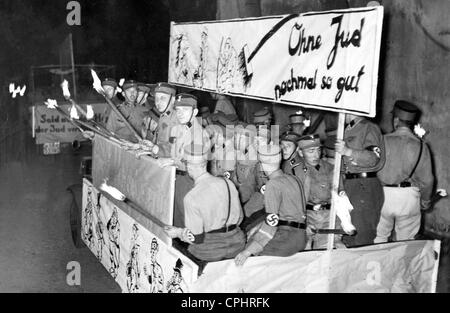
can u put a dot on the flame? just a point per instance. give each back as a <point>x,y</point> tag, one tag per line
<point>65,88</point>
<point>90,112</point>
<point>121,82</point>
<point>307,122</point>
<point>22,91</point>
<point>113,192</point>
<point>74,113</point>
<point>51,104</point>
<point>419,131</point>
<point>12,88</point>
<point>97,82</point>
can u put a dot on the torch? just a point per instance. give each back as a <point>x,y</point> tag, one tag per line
<point>73,118</point>
<point>119,196</point>
<point>98,87</point>
<point>67,96</point>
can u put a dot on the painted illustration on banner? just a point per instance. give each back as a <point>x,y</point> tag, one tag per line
<point>133,270</point>
<point>154,271</point>
<point>136,258</point>
<point>88,220</point>
<point>176,283</point>
<point>99,229</point>
<point>113,227</point>
<point>325,60</point>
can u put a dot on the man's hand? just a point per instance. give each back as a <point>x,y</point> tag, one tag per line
<point>240,259</point>
<point>173,232</point>
<point>88,134</point>
<point>342,148</point>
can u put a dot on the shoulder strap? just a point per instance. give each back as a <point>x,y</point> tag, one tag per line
<point>229,200</point>
<point>300,186</point>
<point>418,160</point>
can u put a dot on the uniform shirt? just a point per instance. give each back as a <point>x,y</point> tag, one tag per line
<point>182,135</point>
<point>365,138</point>
<point>289,165</point>
<point>402,154</point>
<point>206,205</point>
<point>284,196</point>
<point>134,114</point>
<point>167,121</point>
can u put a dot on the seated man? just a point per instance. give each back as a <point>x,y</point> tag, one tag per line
<point>283,231</point>
<point>212,212</point>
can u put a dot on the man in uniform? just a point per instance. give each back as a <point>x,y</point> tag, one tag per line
<point>363,156</point>
<point>187,131</point>
<point>133,113</point>
<point>212,212</point>
<point>162,118</point>
<point>317,178</point>
<point>297,123</point>
<point>283,231</point>
<point>406,176</point>
<point>288,145</point>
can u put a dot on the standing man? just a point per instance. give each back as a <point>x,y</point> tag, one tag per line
<point>188,131</point>
<point>363,156</point>
<point>288,145</point>
<point>133,113</point>
<point>212,210</point>
<point>317,178</point>
<point>283,231</point>
<point>164,116</point>
<point>407,177</point>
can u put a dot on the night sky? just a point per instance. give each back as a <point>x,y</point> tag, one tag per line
<point>132,35</point>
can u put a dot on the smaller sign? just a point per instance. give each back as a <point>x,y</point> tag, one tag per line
<point>52,148</point>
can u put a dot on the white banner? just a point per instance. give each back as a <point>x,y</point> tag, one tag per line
<point>324,60</point>
<point>409,266</point>
<point>51,126</point>
<point>136,258</point>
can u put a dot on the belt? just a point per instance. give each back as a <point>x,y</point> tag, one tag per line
<point>181,173</point>
<point>360,175</point>
<point>403,184</point>
<point>225,229</point>
<point>326,206</point>
<point>292,224</point>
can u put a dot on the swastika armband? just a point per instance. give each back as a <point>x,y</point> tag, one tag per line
<point>375,149</point>
<point>272,219</point>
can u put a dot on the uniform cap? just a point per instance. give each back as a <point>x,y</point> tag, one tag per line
<point>144,87</point>
<point>196,154</point>
<point>406,111</point>
<point>110,82</point>
<point>129,84</point>
<point>261,116</point>
<point>185,100</point>
<point>269,154</point>
<point>290,136</point>
<point>309,141</point>
<point>165,88</point>
<point>297,118</point>
<point>204,111</point>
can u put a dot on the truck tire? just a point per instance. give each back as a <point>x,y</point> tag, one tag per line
<point>75,215</point>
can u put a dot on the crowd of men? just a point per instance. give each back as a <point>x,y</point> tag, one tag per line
<point>241,192</point>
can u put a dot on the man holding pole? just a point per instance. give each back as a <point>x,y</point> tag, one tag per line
<point>363,156</point>
<point>131,112</point>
